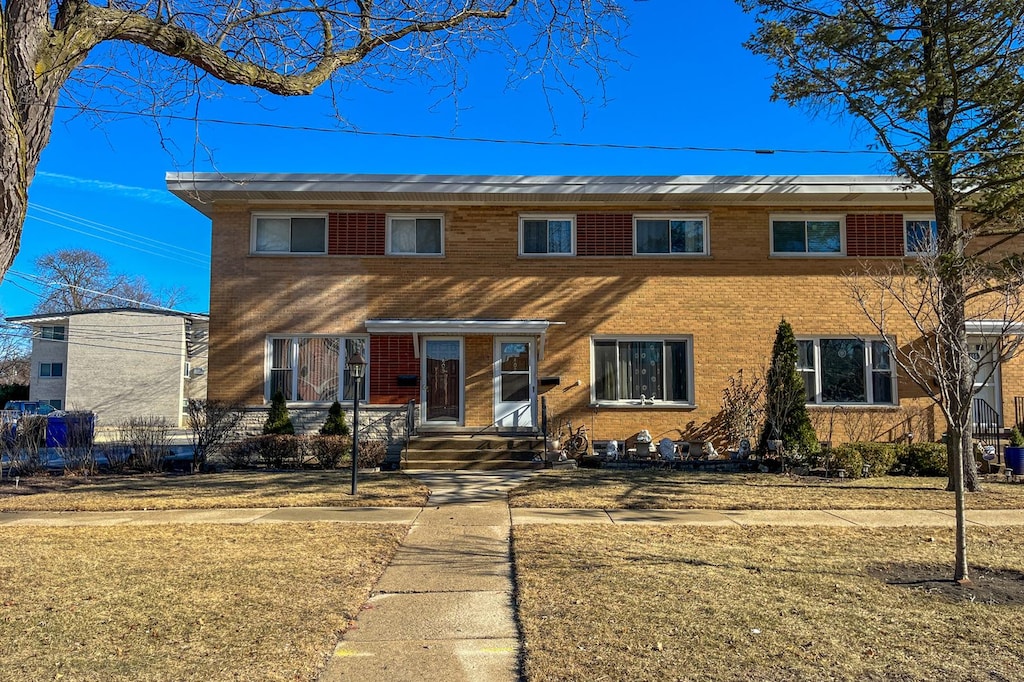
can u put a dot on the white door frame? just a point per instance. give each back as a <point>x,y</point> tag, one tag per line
<point>504,410</point>
<point>994,382</point>
<point>462,380</point>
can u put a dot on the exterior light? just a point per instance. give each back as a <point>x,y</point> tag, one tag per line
<point>356,365</point>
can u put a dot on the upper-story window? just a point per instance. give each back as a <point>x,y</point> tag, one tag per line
<point>847,371</point>
<point>547,235</point>
<point>289,234</point>
<point>51,369</point>
<point>670,235</point>
<point>807,235</point>
<point>920,234</point>
<point>410,235</point>
<point>55,333</point>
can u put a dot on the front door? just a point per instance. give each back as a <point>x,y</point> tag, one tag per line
<point>515,383</point>
<point>986,404</point>
<point>441,390</point>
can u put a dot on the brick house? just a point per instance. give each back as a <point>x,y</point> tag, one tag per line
<point>623,303</point>
<point>118,362</point>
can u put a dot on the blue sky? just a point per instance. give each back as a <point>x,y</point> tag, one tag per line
<point>685,81</point>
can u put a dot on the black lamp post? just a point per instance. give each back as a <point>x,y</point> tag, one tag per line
<point>356,365</point>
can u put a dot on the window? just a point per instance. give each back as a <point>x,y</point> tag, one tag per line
<point>188,369</point>
<point>415,236</point>
<point>56,333</point>
<point>55,404</point>
<point>670,235</point>
<point>51,369</point>
<point>630,369</point>
<point>312,368</point>
<point>838,371</point>
<point>541,236</point>
<point>818,235</point>
<point>289,234</point>
<point>921,235</point>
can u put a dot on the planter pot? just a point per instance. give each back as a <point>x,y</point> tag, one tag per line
<point>1014,458</point>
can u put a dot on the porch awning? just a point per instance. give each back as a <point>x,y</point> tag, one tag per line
<point>994,328</point>
<point>455,327</point>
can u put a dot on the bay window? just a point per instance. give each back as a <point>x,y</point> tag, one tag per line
<point>847,371</point>
<point>627,370</point>
<point>312,368</point>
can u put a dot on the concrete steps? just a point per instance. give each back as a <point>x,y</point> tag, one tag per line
<point>480,453</point>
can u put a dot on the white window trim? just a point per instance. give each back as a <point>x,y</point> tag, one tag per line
<point>704,217</point>
<point>866,362</point>
<point>906,244</point>
<point>548,217</point>
<point>289,215</point>
<point>407,216</point>
<point>658,402</point>
<point>293,349</point>
<point>805,218</point>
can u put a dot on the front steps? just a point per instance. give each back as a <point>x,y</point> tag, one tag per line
<point>483,452</point>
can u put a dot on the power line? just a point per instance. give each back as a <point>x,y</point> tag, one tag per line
<point>488,140</point>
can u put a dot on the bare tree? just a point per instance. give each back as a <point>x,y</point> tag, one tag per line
<point>15,354</point>
<point>940,84</point>
<point>172,51</point>
<point>211,424</point>
<point>79,279</point>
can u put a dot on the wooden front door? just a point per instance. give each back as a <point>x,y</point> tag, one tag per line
<point>443,380</point>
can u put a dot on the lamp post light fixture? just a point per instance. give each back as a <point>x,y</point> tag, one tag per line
<point>356,365</point>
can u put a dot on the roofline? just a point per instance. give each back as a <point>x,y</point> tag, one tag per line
<point>45,317</point>
<point>201,190</point>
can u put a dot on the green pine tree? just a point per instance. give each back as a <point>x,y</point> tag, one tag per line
<point>335,424</point>
<point>786,416</point>
<point>278,420</point>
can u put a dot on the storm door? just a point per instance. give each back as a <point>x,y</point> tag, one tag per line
<point>442,387</point>
<point>515,383</point>
<point>986,406</point>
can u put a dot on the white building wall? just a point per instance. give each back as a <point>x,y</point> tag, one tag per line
<point>48,351</point>
<point>126,364</point>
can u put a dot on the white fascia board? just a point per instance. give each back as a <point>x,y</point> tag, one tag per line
<point>457,327</point>
<point>994,328</point>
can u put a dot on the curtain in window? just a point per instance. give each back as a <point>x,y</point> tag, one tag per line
<point>641,370</point>
<point>687,236</point>
<point>318,370</point>
<point>559,236</point>
<point>604,371</point>
<point>307,235</point>
<point>273,235</point>
<point>403,235</point>
<point>355,346</point>
<point>428,235</point>
<point>652,236</point>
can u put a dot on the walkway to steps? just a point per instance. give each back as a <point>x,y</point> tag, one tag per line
<point>443,610</point>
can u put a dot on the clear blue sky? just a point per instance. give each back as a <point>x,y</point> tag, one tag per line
<point>686,81</point>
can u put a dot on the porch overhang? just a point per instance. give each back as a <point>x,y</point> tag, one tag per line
<point>994,328</point>
<point>457,327</point>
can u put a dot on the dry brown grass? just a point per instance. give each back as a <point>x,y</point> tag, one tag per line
<point>700,603</point>
<point>653,489</point>
<point>205,602</point>
<point>210,491</point>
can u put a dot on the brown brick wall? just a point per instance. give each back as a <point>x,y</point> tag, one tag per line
<point>730,303</point>
<point>604,234</point>
<point>391,356</point>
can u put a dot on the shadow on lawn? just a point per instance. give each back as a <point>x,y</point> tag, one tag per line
<point>987,586</point>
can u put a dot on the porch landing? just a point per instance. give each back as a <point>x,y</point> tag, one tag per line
<point>477,451</point>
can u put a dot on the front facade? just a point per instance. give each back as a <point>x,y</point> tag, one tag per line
<point>618,303</point>
<point>119,363</point>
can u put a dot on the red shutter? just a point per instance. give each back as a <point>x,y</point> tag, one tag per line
<point>356,234</point>
<point>604,234</point>
<point>874,235</point>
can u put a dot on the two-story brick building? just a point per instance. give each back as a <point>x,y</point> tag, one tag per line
<point>627,303</point>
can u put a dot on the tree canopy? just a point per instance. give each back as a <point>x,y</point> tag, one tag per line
<point>158,54</point>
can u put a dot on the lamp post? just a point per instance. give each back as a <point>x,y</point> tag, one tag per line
<point>356,366</point>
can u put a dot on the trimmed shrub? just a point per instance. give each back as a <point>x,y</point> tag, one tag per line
<point>880,457</point>
<point>276,451</point>
<point>240,455</point>
<point>371,453</point>
<point>328,451</point>
<point>923,459</point>
<point>335,424</point>
<point>278,419</point>
<point>848,458</point>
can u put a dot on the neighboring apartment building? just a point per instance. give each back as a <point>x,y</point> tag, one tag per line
<point>118,362</point>
<point>627,303</point>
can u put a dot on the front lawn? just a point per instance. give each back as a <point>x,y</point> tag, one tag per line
<point>661,489</point>
<point>700,603</point>
<point>198,602</point>
<point>210,491</point>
